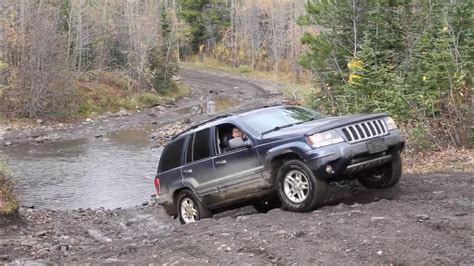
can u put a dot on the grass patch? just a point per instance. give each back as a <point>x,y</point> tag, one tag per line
<point>101,92</point>
<point>8,202</point>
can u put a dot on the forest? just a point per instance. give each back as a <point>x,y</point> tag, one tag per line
<point>410,58</point>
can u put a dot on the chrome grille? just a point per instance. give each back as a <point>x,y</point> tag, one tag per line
<point>365,130</point>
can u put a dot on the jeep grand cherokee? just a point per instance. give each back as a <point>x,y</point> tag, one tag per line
<point>286,157</point>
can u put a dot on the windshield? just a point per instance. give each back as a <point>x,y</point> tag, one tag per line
<point>272,119</point>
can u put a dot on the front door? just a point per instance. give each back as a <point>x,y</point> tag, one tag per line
<point>238,173</point>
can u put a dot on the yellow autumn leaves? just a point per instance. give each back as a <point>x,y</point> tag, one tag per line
<point>354,65</point>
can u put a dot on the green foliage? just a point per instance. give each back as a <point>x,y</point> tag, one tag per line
<point>206,20</point>
<point>412,61</point>
<point>418,139</point>
<point>245,69</point>
<point>160,62</point>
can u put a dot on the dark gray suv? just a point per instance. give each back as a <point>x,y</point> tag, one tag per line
<point>285,156</point>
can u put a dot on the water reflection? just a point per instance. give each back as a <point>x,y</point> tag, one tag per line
<point>106,172</point>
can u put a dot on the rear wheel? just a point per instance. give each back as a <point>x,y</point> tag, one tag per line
<point>190,209</point>
<point>298,189</point>
<point>384,176</point>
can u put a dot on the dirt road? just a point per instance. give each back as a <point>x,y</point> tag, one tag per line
<point>425,219</point>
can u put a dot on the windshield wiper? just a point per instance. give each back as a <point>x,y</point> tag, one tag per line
<point>278,128</point>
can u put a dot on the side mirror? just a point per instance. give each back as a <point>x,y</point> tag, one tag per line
<point>238,142</point>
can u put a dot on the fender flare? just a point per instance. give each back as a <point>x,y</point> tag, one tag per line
<point>297,148</point>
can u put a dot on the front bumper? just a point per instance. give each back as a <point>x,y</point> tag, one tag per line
<point>338,161</point>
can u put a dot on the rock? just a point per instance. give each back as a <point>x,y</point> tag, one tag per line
<point>98,136</point>
<point>98,236</point>
<point>153,122</point>
<point>41,233</point>
<point>241,218</point>
<point>160,108</point>
<point>8,143</point>
<point>379,252</point>
<point>151,113</point>
<point>4,257</point>
<point>64,248</point>
<point>146,203</point>
<point>377,218</point>
<point>122,112</point>
<point>39,121</point>
<point>29,243</point>
<point>55,137</point>
<point>422,217</point>
<point>89,120</point>
<point>460,214</point>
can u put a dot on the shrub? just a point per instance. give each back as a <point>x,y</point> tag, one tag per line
<point>8,202</point>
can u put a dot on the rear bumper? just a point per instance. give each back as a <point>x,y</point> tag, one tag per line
<point>340,160</point>
<point>166,202</point>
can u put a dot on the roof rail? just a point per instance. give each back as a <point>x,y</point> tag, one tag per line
<point>227,113</point>
<point>250,108</point>
<point>200,123</point>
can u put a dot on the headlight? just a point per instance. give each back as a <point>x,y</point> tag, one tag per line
<point>324,138</point>
<point>390,123</point>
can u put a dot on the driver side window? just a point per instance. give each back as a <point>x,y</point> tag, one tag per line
<point>224,133</point>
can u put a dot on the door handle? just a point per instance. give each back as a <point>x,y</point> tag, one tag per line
<point>221,162</point>
<point>188,171</point>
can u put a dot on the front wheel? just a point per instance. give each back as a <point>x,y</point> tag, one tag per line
<point>384,176</point>
<point>190,209</point>
<point>298,189</point>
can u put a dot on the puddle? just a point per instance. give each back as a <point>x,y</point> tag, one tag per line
<point>113,171</point>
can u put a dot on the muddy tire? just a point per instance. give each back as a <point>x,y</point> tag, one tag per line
<point>189,208</point>
<point>266,205</point>
<point>384,176</point>
<point>298,189</point>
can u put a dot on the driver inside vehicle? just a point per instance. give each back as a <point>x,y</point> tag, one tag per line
<point>236,133</point>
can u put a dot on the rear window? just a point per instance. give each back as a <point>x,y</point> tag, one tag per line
<point>171,156</point>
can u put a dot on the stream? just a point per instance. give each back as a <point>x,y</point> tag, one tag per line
<point>110,172</point>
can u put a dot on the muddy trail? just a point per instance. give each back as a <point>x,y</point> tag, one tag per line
<point>426,219</point>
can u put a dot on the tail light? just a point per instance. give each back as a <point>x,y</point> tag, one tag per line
<point>157,185</point>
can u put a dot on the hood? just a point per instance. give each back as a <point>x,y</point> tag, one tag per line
<point>320,125</point>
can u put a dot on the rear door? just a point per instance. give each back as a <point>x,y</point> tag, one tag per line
<point>198,171</point>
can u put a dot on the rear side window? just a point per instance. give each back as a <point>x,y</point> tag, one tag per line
<point>201,145</point>
<point>198,146</point>
<point>171,156</point>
